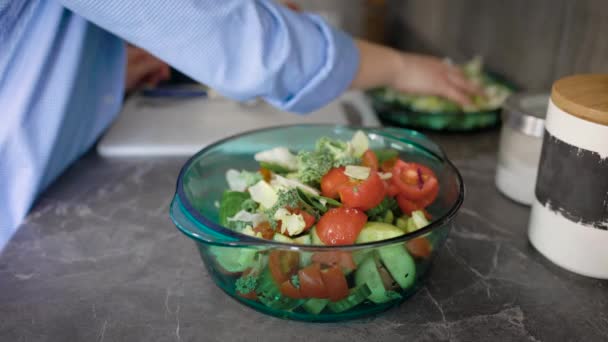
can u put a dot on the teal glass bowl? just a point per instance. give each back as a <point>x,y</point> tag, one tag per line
<point>226,253</point>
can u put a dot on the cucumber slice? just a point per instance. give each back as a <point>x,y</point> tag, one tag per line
<point>234,259</point>
<point>269,294</point>
<point>360,255</point>
<point>376,231</point>
<point>399,264</point>
<point>282,238</point>
<point>419,219</point>
<point>305,259</point>
<point>367,273</point>
<point>411,226</point>
<point>304,239</point>
<point>315,305</point>
<point>402,223</point>
<point>357,296</point>
<point>315,238</point>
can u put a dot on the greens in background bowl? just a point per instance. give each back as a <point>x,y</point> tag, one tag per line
<point>295,274</point>
<point>437,113</point>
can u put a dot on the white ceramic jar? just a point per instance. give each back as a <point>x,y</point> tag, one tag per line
<point>569,220</point>
<point>521,139</point>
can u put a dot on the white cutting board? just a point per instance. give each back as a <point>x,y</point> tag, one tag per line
<point>150,126</point>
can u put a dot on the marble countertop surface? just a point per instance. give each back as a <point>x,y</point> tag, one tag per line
<point>98,259</point>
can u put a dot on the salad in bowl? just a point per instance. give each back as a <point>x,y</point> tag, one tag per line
<point>343,227</point>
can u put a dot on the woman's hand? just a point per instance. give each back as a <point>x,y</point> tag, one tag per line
<point>411,73</point>
<point>426,75</point>
<point>143,69</point>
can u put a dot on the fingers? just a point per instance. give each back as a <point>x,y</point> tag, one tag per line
<point>456,94</point>
<point>138,73</point>
<point>458,79</point>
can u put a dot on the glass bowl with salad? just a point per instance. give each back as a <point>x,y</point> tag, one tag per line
<point>318,222</point>
<point>440,114</point>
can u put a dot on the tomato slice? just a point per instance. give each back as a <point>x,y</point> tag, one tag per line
<point>415,181</point>
<point>289,290</point>
<point>419,247</point>
<point>311,282</point>
<point>309,219</point>
<point>344,260</point>
<point>391,189</point>
<point>332,181</point>
<point>370,160</point>
<point>341,226</point>
<point>365,194</point>
<point>283,265</point>
<point>265,229</point>
<point>335,282</point>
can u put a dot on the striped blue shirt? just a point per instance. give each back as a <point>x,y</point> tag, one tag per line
<point>62,72</point>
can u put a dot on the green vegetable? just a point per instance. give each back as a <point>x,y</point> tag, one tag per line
<point>286,198</point>
<point>303,240</point>
<point>376,231</point>
<point>419,219</point>
<point>357,296</point>
<point>234,259</point>
<point>411,226</point>
<point>402,223</point>
<point>315,305</point>
<point>386,154</point>
<point>367,273</point>
<point>282,238</point>
<point>399,264</point>
<point>249,205</point>
<point>295,281</point>
<point>276,168</point>
<point>389,217</point>
<point>246,284</point>
<point>231,204</point>
<point>312,166</point>
<point>341,152</point>
<point>316,240</point>
<point>269,294</point>
<point>378,213</point>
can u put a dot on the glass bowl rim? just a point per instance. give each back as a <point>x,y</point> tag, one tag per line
<point>191,213</point>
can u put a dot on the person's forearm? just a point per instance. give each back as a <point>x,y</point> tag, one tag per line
<point>378,65</point>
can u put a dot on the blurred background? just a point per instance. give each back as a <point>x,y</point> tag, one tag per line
<point>531,43</point>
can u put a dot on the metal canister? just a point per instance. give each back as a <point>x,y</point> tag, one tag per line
<point>569,220</point>
<point>521,138</point>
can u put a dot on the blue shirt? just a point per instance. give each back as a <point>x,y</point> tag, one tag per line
<point>61,77</point>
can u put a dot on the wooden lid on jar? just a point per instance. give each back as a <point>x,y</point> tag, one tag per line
<point>584,96</point>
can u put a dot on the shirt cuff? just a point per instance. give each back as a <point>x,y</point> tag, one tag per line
<point>334,77</point>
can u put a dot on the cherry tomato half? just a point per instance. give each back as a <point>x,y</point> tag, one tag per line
<point>335,283</point>
<point>289,290</point>
<point>311,282</point>
<point>344,260</point>
<point>415,181</point>
<point>370,160</point>
<point>265,229</point>
<point>391,189</point>
<point>332,181</point>
<point>283,265</point>
<point>341,226</point>
<point>365,194</point>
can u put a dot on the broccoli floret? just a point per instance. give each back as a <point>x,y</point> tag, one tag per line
<point>249,205</point>
<point>286,199</point>
<point>378,212</point>
<point>246,284</point>
<point>341,152</point>
<point>312,166</point>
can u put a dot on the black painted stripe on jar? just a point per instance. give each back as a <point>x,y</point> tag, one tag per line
<point>573,182</point>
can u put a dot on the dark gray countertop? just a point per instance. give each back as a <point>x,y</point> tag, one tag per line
<point>99,260</point>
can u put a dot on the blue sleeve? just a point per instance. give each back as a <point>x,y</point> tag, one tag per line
<point>241,48</point>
